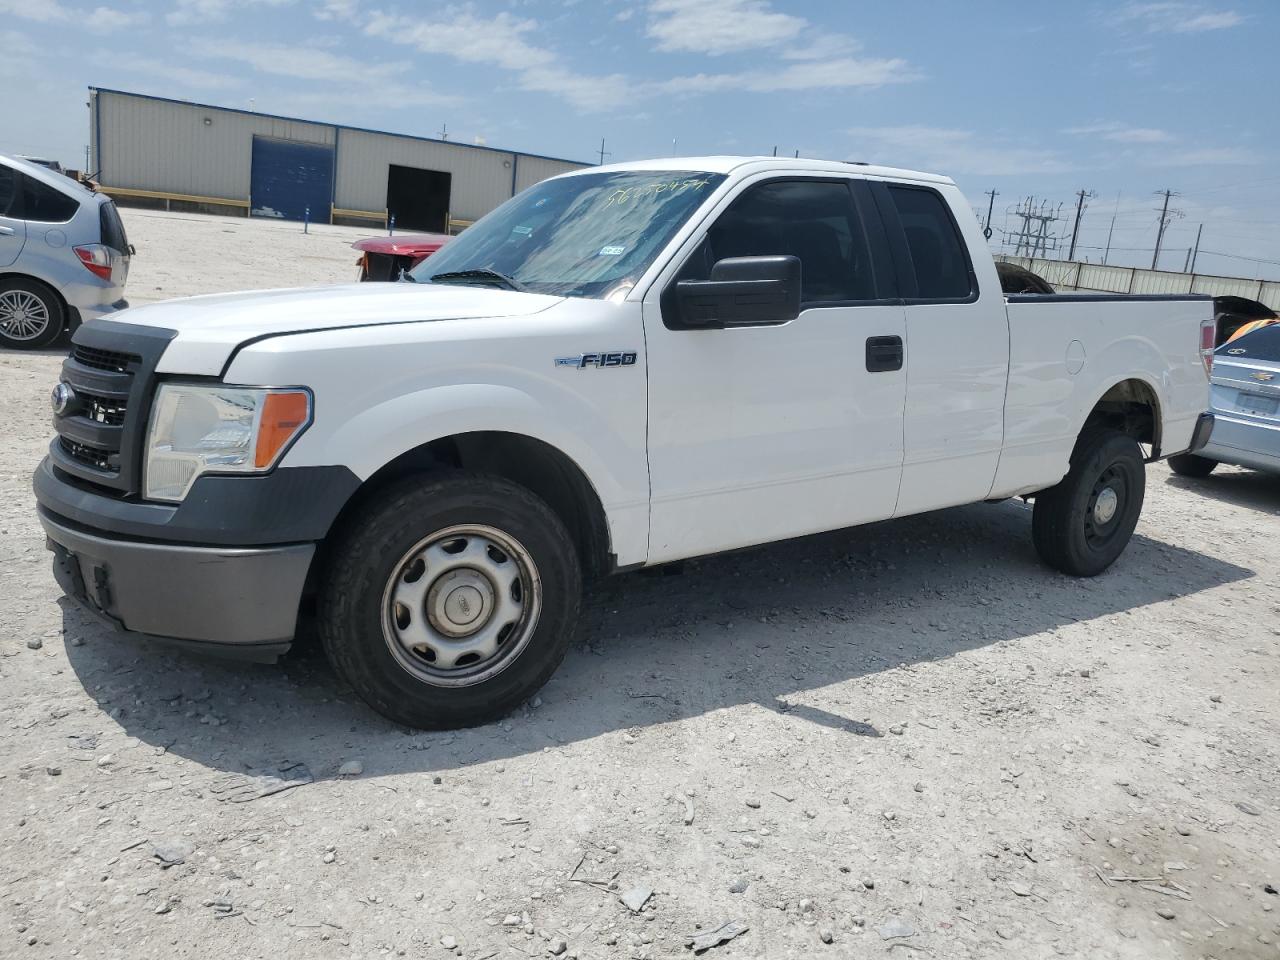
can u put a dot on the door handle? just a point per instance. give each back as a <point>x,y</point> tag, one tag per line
<point>884,354</point>
<point>7,231</point>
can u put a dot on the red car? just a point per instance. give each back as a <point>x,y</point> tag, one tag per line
<point>384,257</point>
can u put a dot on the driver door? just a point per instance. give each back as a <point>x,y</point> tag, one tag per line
<point>763,432</point>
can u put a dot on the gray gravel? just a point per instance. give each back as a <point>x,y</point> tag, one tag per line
<point>1078,739</point>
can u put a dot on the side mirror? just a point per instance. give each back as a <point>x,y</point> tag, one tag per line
<point>742,291</point>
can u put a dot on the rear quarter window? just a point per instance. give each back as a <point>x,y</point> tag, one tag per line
<point>938,253</point>
<point>8,191</point>
<point>113,234</point>
<point>43,204</point>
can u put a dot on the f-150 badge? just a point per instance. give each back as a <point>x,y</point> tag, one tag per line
<point>584,360</point>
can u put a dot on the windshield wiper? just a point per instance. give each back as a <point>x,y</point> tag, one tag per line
<point>483,274</point>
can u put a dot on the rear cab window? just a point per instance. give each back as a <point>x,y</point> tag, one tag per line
<point>43,204</point>
<point>939,257</point>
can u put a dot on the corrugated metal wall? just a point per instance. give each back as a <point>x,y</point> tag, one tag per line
<point>166,146</point>
<point>481,178</point>
<point>158,145</point>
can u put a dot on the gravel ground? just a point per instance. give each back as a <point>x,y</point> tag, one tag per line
<point>909,739</point>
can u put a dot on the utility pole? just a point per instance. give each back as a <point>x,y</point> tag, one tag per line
<point>1166,215</point>
<point>444,131</point>
<point>986,227</point>
<point>1081,197</point>
<point>1196,253</point>
<point>603,152</point>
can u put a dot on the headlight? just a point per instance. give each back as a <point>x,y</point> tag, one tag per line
<point>212,429</point>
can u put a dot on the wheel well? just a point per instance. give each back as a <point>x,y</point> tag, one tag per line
<point>1132,408</point>
<point>535,465</point>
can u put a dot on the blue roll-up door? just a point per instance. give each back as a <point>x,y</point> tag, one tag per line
<point>287,177</point>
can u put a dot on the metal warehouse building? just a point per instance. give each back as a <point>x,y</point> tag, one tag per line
<point>181,155</point>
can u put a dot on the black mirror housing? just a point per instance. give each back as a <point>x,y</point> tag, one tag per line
<point>742,291</point>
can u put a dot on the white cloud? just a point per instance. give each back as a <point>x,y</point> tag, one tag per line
<point>18,59</point>
<point>108,19</point>
<point>845,73</point>
<point>501,41</point>
<point>1176,16</point>
<point>338,10</point>
<point>188,12</point>
<point>39,11</point>
<point>719,26</point>
<point>950,151</point>
<point>343,79</point>
<point>171,73</point>
<point>1121,133</point>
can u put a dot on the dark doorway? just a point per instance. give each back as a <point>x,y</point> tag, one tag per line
<point>288,179</point>
<point>419,199</point>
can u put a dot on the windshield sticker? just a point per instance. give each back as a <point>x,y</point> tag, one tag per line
<point>624,195</point>
<point>612,251</point>
<point>523,231</point>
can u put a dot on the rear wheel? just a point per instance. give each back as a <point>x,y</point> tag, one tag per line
<point>31,316</point>
<point>1084,523</point>
<point>1189,465</point>
<point>449,601</point>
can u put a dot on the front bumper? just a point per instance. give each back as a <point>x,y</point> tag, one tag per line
<point>227,599</point>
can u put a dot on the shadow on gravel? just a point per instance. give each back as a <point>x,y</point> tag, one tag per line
<point>757,626</point>
<point>1244,488</point>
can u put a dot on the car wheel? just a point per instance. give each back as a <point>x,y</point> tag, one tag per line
<point>448,601</point>
<point>31,316</point>
<point>1084,523</point>
<point>1189,465</point>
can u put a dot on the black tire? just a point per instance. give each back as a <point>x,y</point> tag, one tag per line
<point>1067,530</point>
<point>1189,465</point>
<point>20,295</point>
<point>370,561</point>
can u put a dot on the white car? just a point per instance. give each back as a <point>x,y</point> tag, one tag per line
<point>64,256</point>
<point>618,368</point>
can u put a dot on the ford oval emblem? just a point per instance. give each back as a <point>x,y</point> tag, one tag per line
<point>62,398</point>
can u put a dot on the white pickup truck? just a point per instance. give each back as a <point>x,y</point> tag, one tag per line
<point>617,368</point>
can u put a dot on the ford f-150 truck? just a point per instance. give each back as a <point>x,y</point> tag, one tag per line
<point>617,368</point>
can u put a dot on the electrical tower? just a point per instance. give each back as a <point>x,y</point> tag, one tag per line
<point>1035,238</point>
<point>1167,216</point>
<point>1082,201</point>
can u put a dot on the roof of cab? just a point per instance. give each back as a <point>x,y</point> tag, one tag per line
<point>728,165</point>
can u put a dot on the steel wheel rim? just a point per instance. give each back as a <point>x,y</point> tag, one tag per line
<point>1106,506</point>
<point>460,605</point>
<point>23,315</point>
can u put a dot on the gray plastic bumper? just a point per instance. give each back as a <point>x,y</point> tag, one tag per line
<point>220,597</point>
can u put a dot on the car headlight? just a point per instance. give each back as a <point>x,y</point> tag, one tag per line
<point>198,429</point>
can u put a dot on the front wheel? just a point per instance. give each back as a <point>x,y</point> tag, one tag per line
<point>448,601</point>
<point>1189,465</point>
<point>1084,523</point>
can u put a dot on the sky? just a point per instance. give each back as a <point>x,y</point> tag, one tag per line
<point>1040,99</point>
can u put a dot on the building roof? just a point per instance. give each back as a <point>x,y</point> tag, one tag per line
<point>338,126</point>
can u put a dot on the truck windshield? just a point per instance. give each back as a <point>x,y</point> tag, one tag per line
<point>590,235</point>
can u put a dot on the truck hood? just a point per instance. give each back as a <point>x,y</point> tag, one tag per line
<point>210,328</point>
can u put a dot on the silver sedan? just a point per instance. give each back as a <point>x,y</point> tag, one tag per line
<point>1244,398</point>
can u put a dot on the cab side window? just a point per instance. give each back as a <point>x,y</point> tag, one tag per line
<point>814,220</point>
<point>43,204</point>
<point>937,250</point>
<point>8,192</point>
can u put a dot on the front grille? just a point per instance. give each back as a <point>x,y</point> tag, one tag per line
<point>104,409</point>
<point>103,359</point>
<point>111,370</point>
<point>89,456</point>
